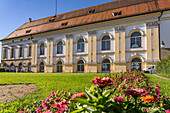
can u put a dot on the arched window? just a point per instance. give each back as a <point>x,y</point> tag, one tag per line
<point>42,49</point>
<point>59,66</point>
<point>29,53</point>
<point>136,64</point>
<point>29,67</point>
<point>80,45</point>
<point>135,40</point>
<point>12,68</point>
<point>20,52</point>
<point>80,66</point>
<point>106,43</point>
<point>60,47</point>
<point>41,67</point>
<point>106,66</point>
<point>20,67</point>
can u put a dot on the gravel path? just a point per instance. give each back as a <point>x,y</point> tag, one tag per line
<point>12,92</point>
<point>161,77</point>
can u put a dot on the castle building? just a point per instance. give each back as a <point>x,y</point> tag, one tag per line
<point>118,36</point>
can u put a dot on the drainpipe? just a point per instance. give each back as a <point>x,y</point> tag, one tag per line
<point>159,33</point>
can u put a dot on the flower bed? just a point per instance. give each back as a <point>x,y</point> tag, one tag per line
<point>122,92</point>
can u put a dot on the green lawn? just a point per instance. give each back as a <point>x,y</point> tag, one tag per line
<point>164,75</point>
<point>164,84</point>
<point>48,82</point>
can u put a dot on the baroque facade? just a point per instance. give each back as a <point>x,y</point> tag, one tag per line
<point>112,37</point>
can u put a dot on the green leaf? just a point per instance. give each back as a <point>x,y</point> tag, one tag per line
<point>89,94</point>
<point>82,101</point>
<point>77,111</point>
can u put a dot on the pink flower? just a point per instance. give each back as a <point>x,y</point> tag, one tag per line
<point>101,82</point>
<point>119,99</point>
<point>21,111</point>
<point>53,95</point>
<point>167,111</point>
<point>78,95</point>
<point>47,99</point>
<point>134,92</point>
<point>148,84</point>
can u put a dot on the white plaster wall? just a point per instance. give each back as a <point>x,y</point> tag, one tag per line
<point>62,59</point>
<point>77,57</point>
<point>41,60</point>
<point>142,54</point>
<point>165,33</point>
<point>130,28</point>
<point>99,57</point>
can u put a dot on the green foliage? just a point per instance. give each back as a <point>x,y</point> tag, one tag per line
<point>164,66</point>
<point>99,99</point>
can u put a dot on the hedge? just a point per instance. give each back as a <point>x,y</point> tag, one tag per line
<point>164,66</point>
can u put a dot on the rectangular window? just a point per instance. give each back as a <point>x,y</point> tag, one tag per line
<point>135,42</point>
<point>92,11</point>
<point>12,53</point>
<point>29,54</point>
<point>117,13</point>
<point>64,24</point>
<point>20,52</point>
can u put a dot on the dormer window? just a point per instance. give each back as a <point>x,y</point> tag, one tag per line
<point>28,31</point>
<point>52,20</point>
<point>117,13</point>
<point>92,11</point>
<point>64,24</point>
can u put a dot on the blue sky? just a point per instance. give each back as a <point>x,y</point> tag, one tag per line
<point>14,13</point>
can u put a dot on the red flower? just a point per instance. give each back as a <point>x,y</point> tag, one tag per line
<point>119,99</point>
<point>21,111</point>
<point>78,95</point>
<point>134,92</point>
<point>101,82</point>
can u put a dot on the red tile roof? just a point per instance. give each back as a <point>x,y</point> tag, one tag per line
<point>103,12</point>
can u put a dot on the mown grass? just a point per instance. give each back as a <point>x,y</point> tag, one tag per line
<point>164,84</point>
<point>49,82</point>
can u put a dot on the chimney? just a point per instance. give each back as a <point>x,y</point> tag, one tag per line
<point>30,19</point>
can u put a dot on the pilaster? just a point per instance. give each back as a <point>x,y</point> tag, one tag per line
<point>116,46</point>
<point>92,46</point>
<point>89,49</point>
<point>34,52</point>
<point>69,49</point>
<point>48,52</point>
<point>156,42</point>
<point>149,40</point>
<point>51,55</point>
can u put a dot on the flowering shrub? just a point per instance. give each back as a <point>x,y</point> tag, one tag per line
<point>122,92</point>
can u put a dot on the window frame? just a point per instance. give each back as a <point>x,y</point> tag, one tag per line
<point>21,52</point>
<point>42,52</point>
<point>29,51</point>
<point>135,40</point>
<point>105,42</point>
<point>60,47</point>
<point>80,45</point>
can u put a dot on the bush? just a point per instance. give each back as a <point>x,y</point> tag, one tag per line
<point>117,93</point>
<point>164,66</point>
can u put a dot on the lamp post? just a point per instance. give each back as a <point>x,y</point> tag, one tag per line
<point>162,45</point>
